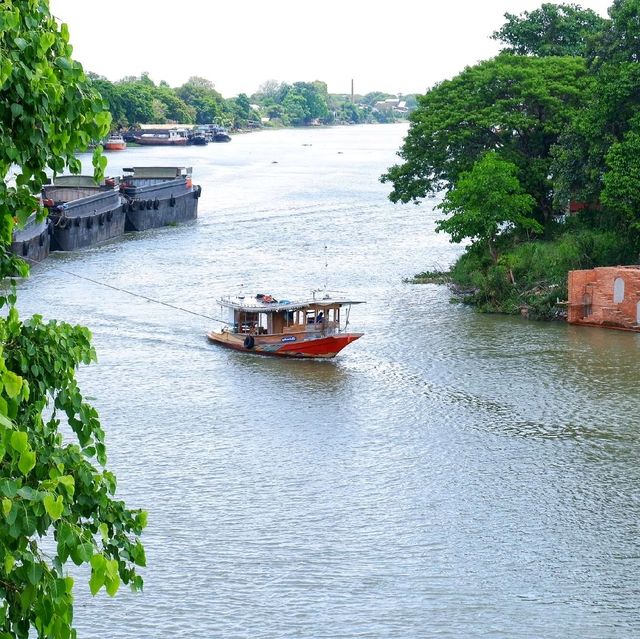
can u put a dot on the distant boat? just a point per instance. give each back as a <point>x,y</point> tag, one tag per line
<point>212,133</point>
<point>172,137</point>
<point>197,139</point>
<point>115,142</point>
<point>311,328</point>
<point>220,135</point>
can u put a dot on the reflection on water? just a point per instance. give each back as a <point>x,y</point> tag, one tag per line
<point>450,474</point>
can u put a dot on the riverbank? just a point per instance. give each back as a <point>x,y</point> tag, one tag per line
<point>530,278</point>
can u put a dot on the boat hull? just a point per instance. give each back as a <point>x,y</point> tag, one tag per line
<point>88,217</point>
<point>32,242</point>
<point>160,205</point>
<point>322,347</point>
<point>161,141</point>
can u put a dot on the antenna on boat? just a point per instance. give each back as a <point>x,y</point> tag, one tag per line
<point>326,271</point>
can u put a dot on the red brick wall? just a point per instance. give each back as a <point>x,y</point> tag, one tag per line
<point>598,285</point>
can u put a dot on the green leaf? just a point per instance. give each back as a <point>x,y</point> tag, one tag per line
<point>82,553</point>
<point>64,63</point>
<point>29,494</point>
<point>104,531</point>
<point>27,597</point>
<point>34,573</point>
<point>111,568</point>
<point>96,582</point>
<point>9,562</point>
<point>27,461</point>
<point>12,383</point>
<point>69,483</point>
<point>19,441</point>
<point>6,506</point>
<point>98,562</point>
<point>112,585</point>
<point>98,573</point>
<point>54,506</point>
<point>9,487</point>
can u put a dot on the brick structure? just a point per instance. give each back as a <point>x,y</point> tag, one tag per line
<point>607,296</point>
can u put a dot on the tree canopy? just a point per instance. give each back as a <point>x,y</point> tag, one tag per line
<point>553,29</point>
<point>560,105</point>
<point>514,105</point>
<point>487,201</point>
<point>50,486</point>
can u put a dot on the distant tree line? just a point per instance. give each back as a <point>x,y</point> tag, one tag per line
<point>138,100</point>
<point>537,152</point>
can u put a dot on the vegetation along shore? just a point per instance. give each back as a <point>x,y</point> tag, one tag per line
<point>133,101</point>
<point>537,152</point>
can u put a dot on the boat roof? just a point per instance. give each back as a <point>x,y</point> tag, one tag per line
<point>254,305</point>
<point>158,171</point>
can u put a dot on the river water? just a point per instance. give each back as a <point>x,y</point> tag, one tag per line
<point>450,474</point>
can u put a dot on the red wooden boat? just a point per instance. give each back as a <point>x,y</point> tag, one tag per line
<point>115,142</point>
<point>314,328</point>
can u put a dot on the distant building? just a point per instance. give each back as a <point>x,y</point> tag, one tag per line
<point>395,105</point>
<point>608,296</point>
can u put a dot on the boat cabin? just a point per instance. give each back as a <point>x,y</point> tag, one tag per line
<point>316,328</point>
<point>271,317</point>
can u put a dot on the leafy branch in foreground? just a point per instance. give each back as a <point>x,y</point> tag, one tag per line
<point>50,483</point>
<point>53,482</point>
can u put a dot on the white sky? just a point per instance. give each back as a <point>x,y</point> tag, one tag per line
<point>388,45</point>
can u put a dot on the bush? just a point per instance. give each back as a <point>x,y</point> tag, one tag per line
<point>532,276</point>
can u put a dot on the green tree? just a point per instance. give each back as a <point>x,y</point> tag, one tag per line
<point>267,93</point>
<point>49,486</point>
<point>295,109</point>
<point>176,110</point>
<point>200,94</point>
<point>621,180</point>
<point>515,105</point>
<point>608,121</point>
<point>619,40</point>
<point>316,97</point>
<point>553,29</point>
<point>241,109</point>
<point>486,202</point>
<point>135,101</point>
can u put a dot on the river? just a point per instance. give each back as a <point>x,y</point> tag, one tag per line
<point>450,474</point>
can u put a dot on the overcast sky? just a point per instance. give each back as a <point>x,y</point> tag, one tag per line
<point>388,46</point>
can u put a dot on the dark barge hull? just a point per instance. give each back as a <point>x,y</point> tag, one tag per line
<point>84,216</point>
<point>33,242</point>
<point>155,201</point>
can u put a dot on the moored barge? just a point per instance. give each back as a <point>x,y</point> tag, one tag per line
<point>82,213</point>
<point>158,196</point>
